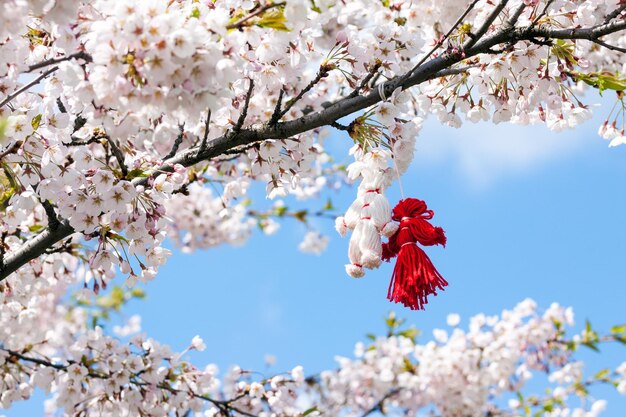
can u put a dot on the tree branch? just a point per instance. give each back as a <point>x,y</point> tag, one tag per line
<point>78,55</point>
<point>379,405</point>
<point>25,87</point>
<point>435,68</point>
<point>226,405</point>
<point>608,46</point>
<point>177,142</point>
<point>43,64</point>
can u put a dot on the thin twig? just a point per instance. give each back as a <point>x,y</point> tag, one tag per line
<point>205,138</point>
<point>89,141</point>
<point>339,126</point>
<point>65,247</point>
<point>542,14</point>
<point>244,111</point>
<point>119,156</point>
<point>177,142</point>
<point>11,149</point>
<point>239,150</point>
<point>447,35</point>
<point>438,44</point>
<point>34,82</point>
<point>323,72</point>
<point>371,73</point>
<point>78,55</point>
<point>43,64</point>
<point>486,25</point>
<point>3,236</point>
<point>276,115</point>
<point>510,23</point>
<point>608,46</point>
<point>61,106</point>
<point>614,13</point>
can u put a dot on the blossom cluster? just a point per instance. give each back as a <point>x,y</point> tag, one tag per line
<point>125,123</point>
<point>484,369</point>
<point>127,88</point>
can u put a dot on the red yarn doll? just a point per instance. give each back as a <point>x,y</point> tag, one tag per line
<point>414,276</point>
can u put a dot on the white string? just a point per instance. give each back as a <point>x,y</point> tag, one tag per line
<point>398,174</point>
<point>381,91</point>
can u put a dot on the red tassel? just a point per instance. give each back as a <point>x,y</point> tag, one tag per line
<point>414,276</point>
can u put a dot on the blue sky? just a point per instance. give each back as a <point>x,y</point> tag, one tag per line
<point>528,213</point>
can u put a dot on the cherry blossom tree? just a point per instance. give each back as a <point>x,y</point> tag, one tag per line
<point>126,125</point>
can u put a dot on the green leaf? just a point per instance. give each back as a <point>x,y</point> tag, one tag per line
<point>408,366</point>
<point>3,129</point>
<point>602,80</point>
<point>565,51</point>
<point>195,12</point>
<point>329,205</point>
<point>602,374</point>
<point>581,390</point>
<point>391,320</point>
<point>136,173</point>
<point>35,228</point>
<point>36,122</point>
<point>274,19</point>
<point>138,293</point>
<point>314,7</point>
<point>548,407</point>
<point>8,185</point>
<point>618,329</point>
<point>385,3</point>
<point>400,21</point>
<point>410,333</point>
<point>309,411</point>
<point>280,211</point>
<point>114,300</point>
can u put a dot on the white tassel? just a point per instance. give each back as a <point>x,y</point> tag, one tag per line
<point>355,271</point>
<point>370,245</point>
<point>354,249</point>
<point>381,211</point>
